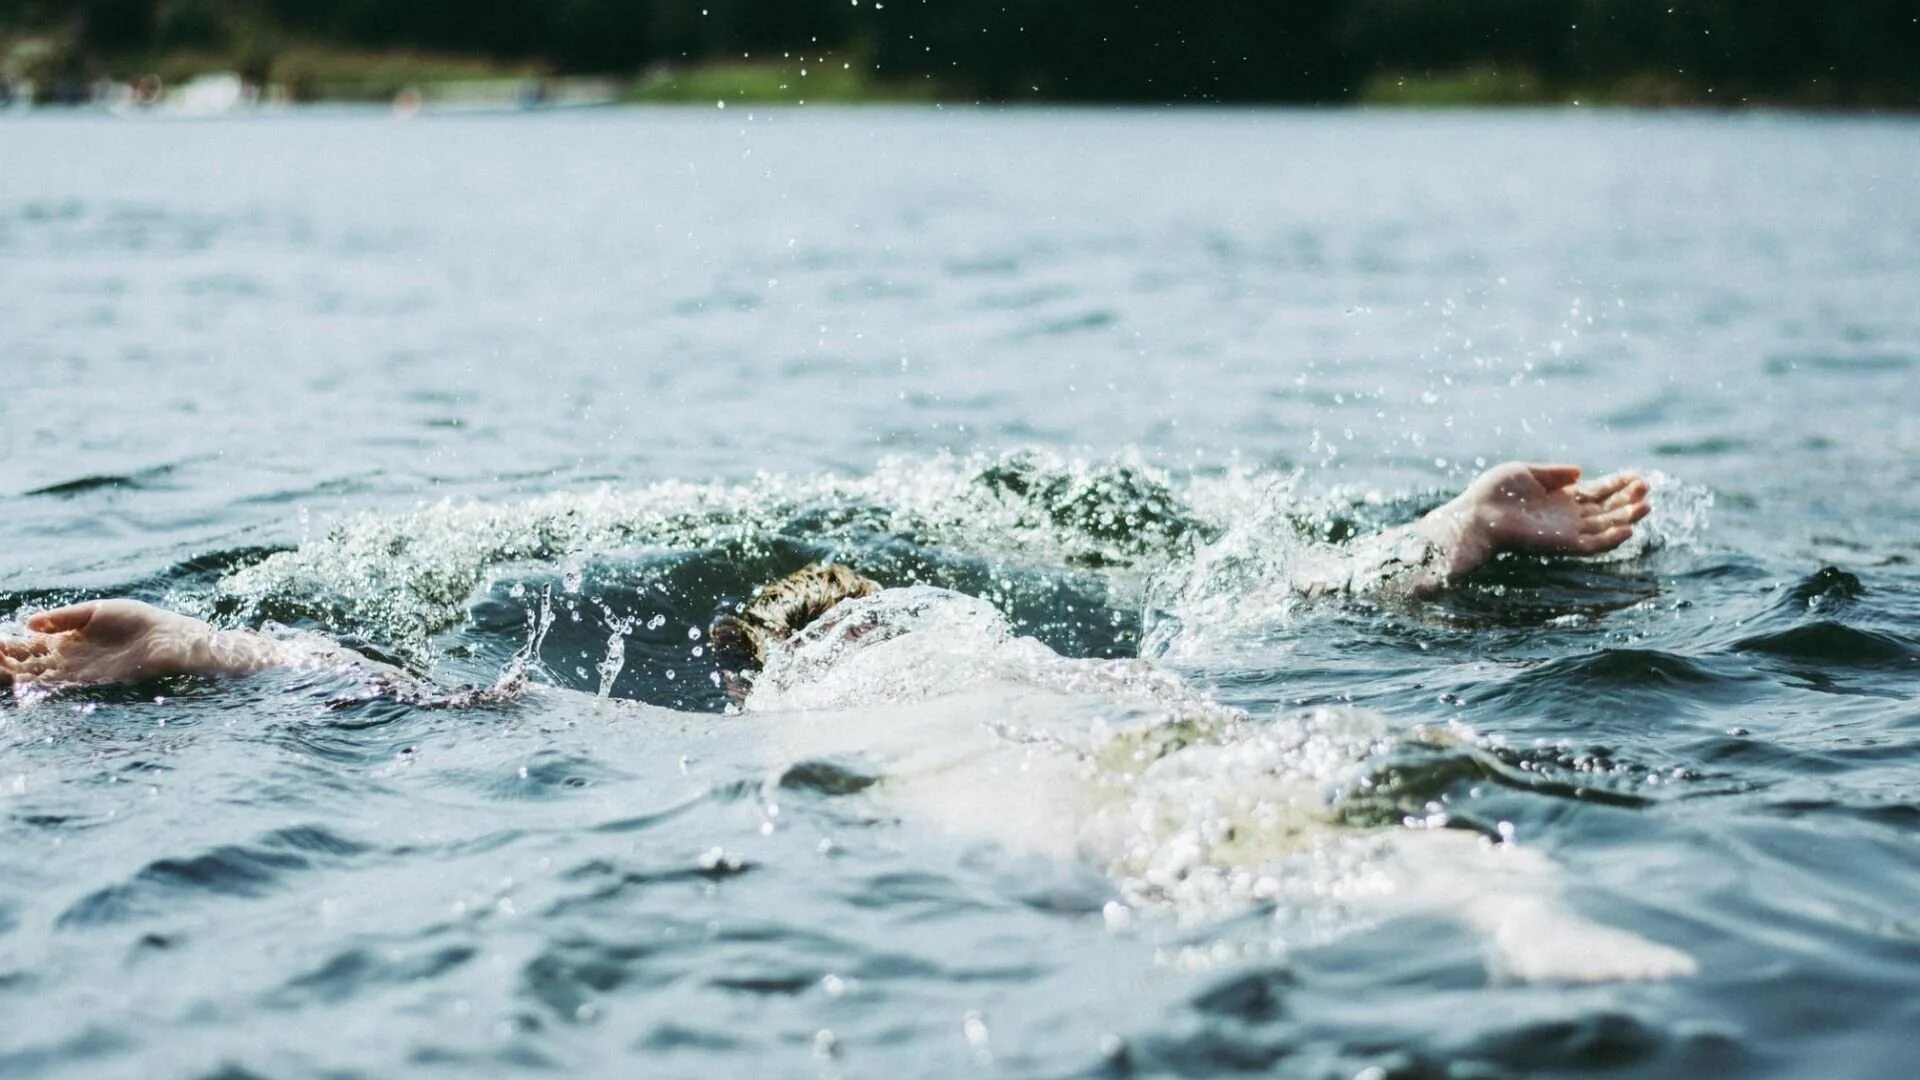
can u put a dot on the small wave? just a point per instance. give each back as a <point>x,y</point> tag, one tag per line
<point>547,775</point>
<point>568,977</point>
<point>83,485</point>
<point>668,1037</point>
<point>1253,996</point>
<point>1409,782</point>
<point>1707,446</point>
<point>1902,816</point>
<point>93,1042</point>
<point>1096,319</point>
<point>1826,586</point>
<point>1834,644</point>
<point>1839,363</point>
<point>1601,1039</point>
<point>360,970</point>
<point>826,777</point>
<point>1602,680</point>
<point>229,870</point>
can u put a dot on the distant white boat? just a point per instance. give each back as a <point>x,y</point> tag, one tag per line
<point>209,95</point>
<point>202,97</point>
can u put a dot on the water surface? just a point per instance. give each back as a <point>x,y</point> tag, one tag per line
<point>455,391</point>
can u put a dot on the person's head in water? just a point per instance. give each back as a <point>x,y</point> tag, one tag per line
<point>775,613</point>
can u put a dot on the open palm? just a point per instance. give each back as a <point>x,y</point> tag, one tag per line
<point>102,641</point>
<point>1539,508</point>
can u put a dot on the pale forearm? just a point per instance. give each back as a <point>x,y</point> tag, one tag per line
<point>248,652</point>
<point>232,652</point>
<point>1458,537</point>
<point>1417,559</point>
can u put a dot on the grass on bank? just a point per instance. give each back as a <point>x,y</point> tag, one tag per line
<point>1488,85</point>
<point>1511,86</point>
<point>317,73</point>
<point>787,81</point>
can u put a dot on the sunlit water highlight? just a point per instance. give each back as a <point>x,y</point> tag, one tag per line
<point>550,393</point>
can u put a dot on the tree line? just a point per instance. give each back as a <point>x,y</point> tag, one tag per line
<point>1842,52</point>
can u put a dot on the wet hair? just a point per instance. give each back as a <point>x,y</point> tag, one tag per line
<point>776,612</point>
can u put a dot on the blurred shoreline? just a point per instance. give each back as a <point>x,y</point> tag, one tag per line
<point>203,84</point>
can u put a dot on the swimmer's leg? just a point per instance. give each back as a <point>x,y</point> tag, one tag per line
<point>1510,507</point>
<point>1511,895</point>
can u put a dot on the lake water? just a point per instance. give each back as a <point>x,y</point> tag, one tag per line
<point>456,390</point>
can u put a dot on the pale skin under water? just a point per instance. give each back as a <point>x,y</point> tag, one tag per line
<point>1145,807</point>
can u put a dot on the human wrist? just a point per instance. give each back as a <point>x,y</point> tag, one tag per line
<point>1459,531</point>
<point>211,651</point>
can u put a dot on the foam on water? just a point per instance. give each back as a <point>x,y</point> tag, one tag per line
<point>1194,810</point>
<point>398,579</point>
<point>1190,806</point>
<point>1222,555</point>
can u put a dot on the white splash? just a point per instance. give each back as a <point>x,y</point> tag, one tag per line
<point>1193,808</point>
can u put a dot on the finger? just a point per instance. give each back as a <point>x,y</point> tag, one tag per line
<point>61,620</point>
<point>1606,540</point>
<point>31,668</point>
<point>22,648</point>
<point>1632,493</point>
<point>1607,519</point>
<point>1605,487</point>
<point>20,672</point>
<point>1554,477</point>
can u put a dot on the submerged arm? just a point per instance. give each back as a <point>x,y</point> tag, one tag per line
<point>1510,507</point>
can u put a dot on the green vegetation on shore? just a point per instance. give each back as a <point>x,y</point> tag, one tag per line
<point>1483,85</point>
<point>1823,53</point>
<point>787,81</point>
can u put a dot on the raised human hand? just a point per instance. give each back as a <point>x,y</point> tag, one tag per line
<point>1521,507</point>
<point>1542,508</point>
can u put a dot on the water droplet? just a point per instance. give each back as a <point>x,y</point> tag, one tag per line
<point>974,1029</point>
